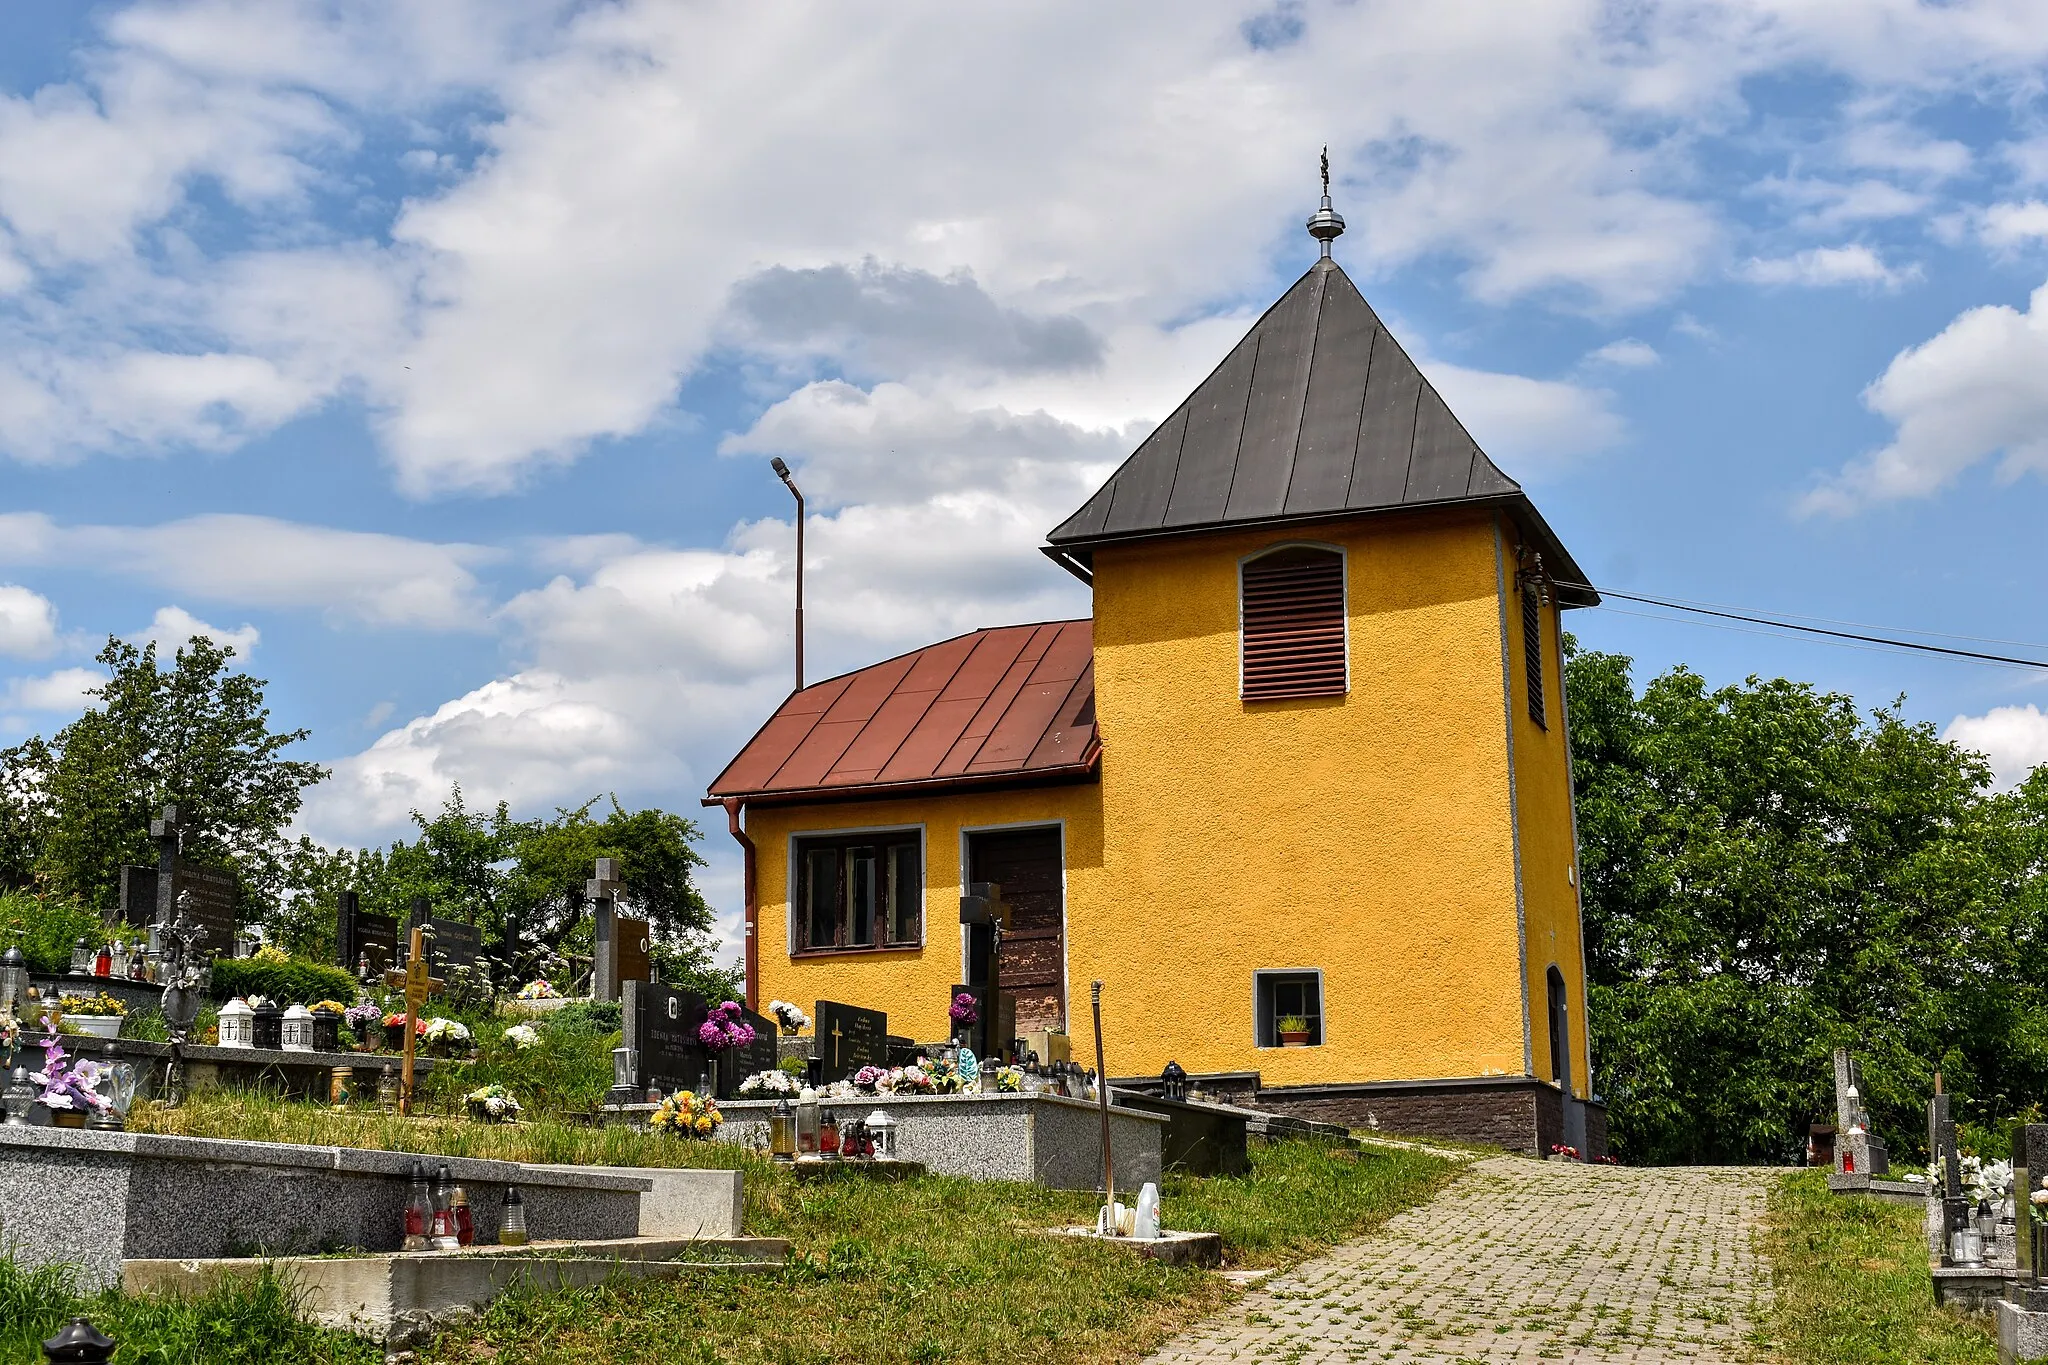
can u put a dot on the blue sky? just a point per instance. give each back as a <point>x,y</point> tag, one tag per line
<point>435,354</point>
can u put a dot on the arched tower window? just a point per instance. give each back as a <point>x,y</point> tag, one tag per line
<point>1291,612</point>
<point>1560,1030</point>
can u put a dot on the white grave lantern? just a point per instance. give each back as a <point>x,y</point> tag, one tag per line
<point>298,1029</point>
<point>883,1127</point>
<point>237,1024</point>
<point>14,984</point>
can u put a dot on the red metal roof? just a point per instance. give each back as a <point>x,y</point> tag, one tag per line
<point>1016,703</point>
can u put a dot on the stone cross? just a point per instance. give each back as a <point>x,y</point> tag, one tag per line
<point>602,891</point>
<point>165,830</point>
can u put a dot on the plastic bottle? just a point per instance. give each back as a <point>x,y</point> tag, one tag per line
<point>419,1210</point>
<point>512,1228</point>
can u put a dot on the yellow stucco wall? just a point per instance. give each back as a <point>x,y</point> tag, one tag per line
<point>911,984</point>
<point>1548,846</point>
<point>1368,836</point>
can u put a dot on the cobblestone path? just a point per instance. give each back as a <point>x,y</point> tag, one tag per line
<point>1522,1261</point>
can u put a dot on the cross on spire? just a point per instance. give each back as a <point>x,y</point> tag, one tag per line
<point>1326,225</point>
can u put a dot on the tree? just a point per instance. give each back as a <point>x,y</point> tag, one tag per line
<point>24,811</point>
<point>196,736</point>
<point>1769,875</point>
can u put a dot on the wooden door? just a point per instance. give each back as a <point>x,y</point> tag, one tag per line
<point>1026,863</point>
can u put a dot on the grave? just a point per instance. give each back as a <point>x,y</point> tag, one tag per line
<point>1038,1139</point>
<point>1858,1151</point>
<point>359,933</point>
<point>659,1024</point>
<point>305,1074</point>
<point>456,943</point>
<point>97,1199</point>
<point>2023,1311</point>
<point>849,1038</point>
<point>1199,1139</point>
<point>212,906</point>
<point>762,1054</point>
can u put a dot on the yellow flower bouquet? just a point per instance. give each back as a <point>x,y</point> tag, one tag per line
<point>687,1114</point>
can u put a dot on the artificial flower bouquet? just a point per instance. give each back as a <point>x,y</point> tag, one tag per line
<point>963,1010</point>
<point>522,1037</point>
<point>444,1033</point>
<point>685,1114</point>
<point>789,1016</point>
<point>723,1028</point>
<point>773,1085</point>
<point>492,1104</point>
<point>540,989</point>
<point>68,1087</point>
<point>100,1004</point>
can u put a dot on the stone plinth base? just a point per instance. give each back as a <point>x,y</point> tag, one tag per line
<point>1891,1191</point>
<point>1171,1247</point>
<point>1970,1289</point>
<point>2022,1335</point>
<point>1037,1139</point>
<point>400,1298</point>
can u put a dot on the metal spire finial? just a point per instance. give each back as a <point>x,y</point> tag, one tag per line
<point>1327,225</point>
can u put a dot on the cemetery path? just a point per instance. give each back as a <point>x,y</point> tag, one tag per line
<point>1522,1260</point>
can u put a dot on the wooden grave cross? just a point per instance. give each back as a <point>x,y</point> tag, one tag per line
<point>419,982</point>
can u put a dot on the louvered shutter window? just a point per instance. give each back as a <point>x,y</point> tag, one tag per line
<point>1293,613</point>
<point>1532,649</point>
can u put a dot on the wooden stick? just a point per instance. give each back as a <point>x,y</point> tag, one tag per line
<point>1102,1104</point>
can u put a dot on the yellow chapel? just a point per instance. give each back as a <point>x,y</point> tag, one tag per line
<point>1298,790</point>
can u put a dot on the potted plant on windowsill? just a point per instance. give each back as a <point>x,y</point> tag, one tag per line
<point>1293,1030</point>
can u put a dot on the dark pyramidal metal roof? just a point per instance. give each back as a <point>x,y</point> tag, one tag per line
<point>1317,413</point>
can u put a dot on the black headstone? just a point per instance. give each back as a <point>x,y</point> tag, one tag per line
<point>736,1064</point>
<point>660,1025</point>
<point>212,905</point>
<point>849,1038</point>
<point>454,944</point>
<point>376,935</point>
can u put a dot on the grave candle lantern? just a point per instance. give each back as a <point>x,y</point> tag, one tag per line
<point>622,1068</point>
<point>807,1123</point>
<point>81,958</point>
<point>237,1024</point>
<point>326,1031</point>
<point>14,984</point>
<point>267,1024</point>
<point>19,1097</point>
<point>782,1131</point>
<point>118,966</point>
<point>387,1089</point>
<point>882,1127</point>
<point>296,1029</point>
<point>1173,1082</point>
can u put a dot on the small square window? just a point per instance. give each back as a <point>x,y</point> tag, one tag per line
<point>1290,998</point>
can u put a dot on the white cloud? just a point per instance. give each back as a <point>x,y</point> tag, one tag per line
<point>173,627</point>
<point>68,690</point>
<point>2009,226</point>
<point>28,622</point>
<point>1827,205</point>
<point>1531,427</point>
<point>2013,738</point>
<point>1626,354</point>
<point>251,561</point>
<point>1821,267</point>
<point>1977,389</point>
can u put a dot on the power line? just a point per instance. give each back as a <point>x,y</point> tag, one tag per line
<point>1891,641</point>
<point>1774,634</point>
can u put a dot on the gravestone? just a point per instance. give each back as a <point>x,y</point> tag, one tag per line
<point>631,939</point>
<point>849,1038</point>
<point>212,906</point>
<point>736,1064</point>
<point>1857,1149</point>
<point>660,1026</point>
<point>456,944</point>
<point>376,935</point>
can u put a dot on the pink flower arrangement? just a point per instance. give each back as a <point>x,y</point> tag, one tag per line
<point>963,1010</point>
<point>723,1028</point>
<point>67,1086</point>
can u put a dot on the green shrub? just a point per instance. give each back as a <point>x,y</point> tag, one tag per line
<point>566,1072</point>
<point>590,1016</point>
<point>293,981</point>
<point>48,929</point>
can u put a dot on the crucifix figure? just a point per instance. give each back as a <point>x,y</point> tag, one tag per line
<point>602,891</point>
<point>165,830</point>
<point>182,972</point>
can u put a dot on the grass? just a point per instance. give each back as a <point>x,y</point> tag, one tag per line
<point>1852,1284</point>
<point>931,1269</point>
<point>250,1323</point>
